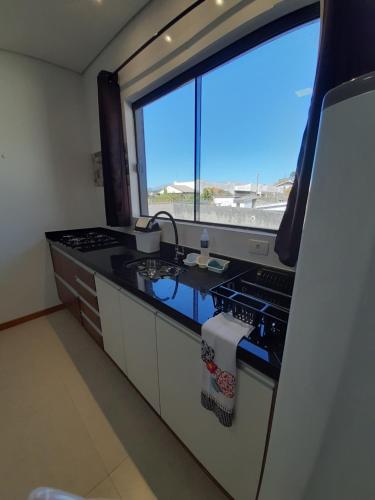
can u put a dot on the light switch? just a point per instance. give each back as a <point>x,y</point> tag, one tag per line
<point>259,247</point>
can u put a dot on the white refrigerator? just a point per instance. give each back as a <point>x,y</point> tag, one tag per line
<point>322,444</point>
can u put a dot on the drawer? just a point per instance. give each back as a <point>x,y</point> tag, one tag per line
<point>64,267</point>
<point>86,295</point>
<point>68,299</point>
<point>70,270</point>
<point>86,276</point>
<point>92,332</point>
<point>91,315</point>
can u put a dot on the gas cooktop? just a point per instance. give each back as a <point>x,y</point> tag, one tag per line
<point>86,241</point>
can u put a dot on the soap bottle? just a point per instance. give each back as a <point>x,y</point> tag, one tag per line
<point>205,242</point>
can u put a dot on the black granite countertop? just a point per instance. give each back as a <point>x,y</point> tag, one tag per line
<point>186,299</point>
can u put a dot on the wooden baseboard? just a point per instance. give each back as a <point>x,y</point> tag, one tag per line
<point>29,317</point>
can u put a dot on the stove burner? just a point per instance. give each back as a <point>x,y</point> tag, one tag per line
<point>88,241</point>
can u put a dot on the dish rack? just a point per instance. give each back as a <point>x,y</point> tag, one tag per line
<point>260,297</point>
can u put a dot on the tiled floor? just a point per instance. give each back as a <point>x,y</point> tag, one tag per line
<point>70,420</point>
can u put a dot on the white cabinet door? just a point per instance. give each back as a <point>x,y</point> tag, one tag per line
<point>138,320</point>
<point>232,455</point>
<point>110,317</point>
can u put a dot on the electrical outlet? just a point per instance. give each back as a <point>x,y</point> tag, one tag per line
<point>259,247</point>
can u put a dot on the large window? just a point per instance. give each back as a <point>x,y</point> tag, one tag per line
<point>222,148</point>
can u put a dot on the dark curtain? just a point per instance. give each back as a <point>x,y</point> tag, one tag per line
<point>347,50</point>
<point>114,158</point>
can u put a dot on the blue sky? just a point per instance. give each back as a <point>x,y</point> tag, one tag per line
<point>254,110</point>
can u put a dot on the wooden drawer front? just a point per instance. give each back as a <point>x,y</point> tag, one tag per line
<point>69,299</point>
<point>86,277</point>
<point>69,270</point>
<point>91,315</point>
<point>92,332</point>
<point>64,267</point>
<point>86,295</point>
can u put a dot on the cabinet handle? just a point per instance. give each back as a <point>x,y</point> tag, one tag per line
<point>91,323</point>
<point>86,287</point>
<point>63,282</point>
<point>82,299</point>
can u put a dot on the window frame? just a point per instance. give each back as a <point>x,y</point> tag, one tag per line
<point>194,74</point>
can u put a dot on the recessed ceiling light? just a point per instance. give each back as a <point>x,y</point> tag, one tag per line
<point>98,1</point>
<point>168,38</point>
<point>219,2</point>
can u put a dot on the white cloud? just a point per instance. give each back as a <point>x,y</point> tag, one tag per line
<point>304,92</point>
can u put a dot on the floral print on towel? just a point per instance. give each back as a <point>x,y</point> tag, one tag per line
<point>221,381</point>
<point>227,382</point>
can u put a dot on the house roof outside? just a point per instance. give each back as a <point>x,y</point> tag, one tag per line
<point>176,189</point>
<point>228,188</point>
<point>188,187</point>
<point>284,182</point>
<point>184,188</point>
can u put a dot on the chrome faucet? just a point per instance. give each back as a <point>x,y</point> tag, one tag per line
<point>179,252</point>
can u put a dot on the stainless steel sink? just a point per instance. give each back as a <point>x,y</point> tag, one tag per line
<point>153,269</point>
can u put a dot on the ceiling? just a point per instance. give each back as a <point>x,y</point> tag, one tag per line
<point>69,33</point>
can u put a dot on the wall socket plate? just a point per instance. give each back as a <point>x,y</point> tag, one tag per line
<point>259,247</point>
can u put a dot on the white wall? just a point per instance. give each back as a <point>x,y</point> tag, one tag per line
<point>45,177</point>
<point>209,30</point>
<point>143,26</point>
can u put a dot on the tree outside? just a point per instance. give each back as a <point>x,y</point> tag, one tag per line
<point>208,194</point>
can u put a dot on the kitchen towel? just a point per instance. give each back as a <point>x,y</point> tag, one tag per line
<point>220,337</point>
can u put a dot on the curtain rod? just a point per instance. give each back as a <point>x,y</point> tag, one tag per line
<point>160,32</point>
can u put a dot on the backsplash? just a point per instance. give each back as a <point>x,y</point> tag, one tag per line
<point>234,243</point>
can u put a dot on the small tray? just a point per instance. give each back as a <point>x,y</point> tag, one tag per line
<point>191,259</point>
<point>217,265</point>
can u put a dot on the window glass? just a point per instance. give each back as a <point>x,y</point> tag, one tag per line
<point>168,125</point>
<point>254,111</point>
<point>241,162</point>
